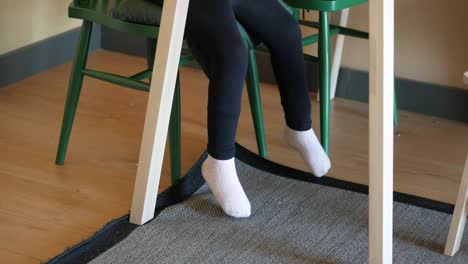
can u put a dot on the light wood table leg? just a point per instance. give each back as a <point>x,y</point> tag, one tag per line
<point>158,110</point>
<point>381,37</point>
<point>459,216</point>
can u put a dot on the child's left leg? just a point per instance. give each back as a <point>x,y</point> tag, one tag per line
<point>270,22</point>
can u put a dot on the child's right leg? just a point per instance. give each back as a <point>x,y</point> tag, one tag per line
<point>212,32</point>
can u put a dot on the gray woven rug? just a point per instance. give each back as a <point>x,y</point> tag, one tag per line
<point>292,222</point>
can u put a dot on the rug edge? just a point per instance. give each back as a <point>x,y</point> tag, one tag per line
<point>252,159</point>
<point>193,180</point>
<point>176,193</point>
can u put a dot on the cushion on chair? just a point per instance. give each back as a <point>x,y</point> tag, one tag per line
<point>146,12</point>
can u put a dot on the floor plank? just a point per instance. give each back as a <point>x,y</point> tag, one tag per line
<point>8,256</point>
<point>36,238</point>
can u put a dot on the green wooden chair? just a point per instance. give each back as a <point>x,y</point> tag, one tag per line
<point>142,18</point>
<point>325,32</point>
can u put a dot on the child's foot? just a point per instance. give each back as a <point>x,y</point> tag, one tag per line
<point>222,179</point>
<point>311,150</point>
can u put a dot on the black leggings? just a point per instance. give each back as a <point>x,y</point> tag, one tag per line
<point>213,34</point>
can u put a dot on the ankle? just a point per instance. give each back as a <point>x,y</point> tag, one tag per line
<point>221,177</point>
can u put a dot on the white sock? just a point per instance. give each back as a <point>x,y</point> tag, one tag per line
<point>308,145</point>
<point>222,179</point>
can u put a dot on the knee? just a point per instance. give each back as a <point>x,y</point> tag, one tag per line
<point>291,31</point>
<point>287,33</point>
<point>232,54</point>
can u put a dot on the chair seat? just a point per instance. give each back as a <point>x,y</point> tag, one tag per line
<point>138,11</point>
<point>147,12</point>
<point>324,5</point>
<point>140,17</point>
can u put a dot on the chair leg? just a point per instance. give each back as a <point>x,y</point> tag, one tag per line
<point>253,88</point>
<point>175,134</point>
<point>74,90</point>
<point>396,120</point>
<point>324,84</point>
<point>296,13</point>
<point>150,51</point>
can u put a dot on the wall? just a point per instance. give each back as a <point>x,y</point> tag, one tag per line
<point>431,35</point>
<point>431,41</point>
<point>23,22</point>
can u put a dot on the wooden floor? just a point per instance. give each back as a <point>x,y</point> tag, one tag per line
<point>45,208</point>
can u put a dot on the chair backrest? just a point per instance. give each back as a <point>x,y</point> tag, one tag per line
<point>99,5</point>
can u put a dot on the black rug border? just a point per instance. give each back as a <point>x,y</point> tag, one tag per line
<point>118,229</point>
<point>263,164</point>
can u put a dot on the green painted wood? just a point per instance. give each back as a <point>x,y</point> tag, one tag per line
<point>325,32</point>
<point>150,51</point>
<point>249,43</point>
<point>175,135</point>
<point>338,29</point>
<point>74,90</point>
<point>142,75</point>
<point>312,39</point>
<point>295,13</point>
<point>117,79</point>
<point>324,5</point>
<point>100,12</point>
<point>324,81</point>
<point>253,89</point>
<point>185,57</point>
<point>289,8</point>
<point>311,58</point>
<point>309,40</point>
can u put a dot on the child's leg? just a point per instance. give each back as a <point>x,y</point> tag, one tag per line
<point>270,22</point>
<point>213,33</point>
<point>212,29</point>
